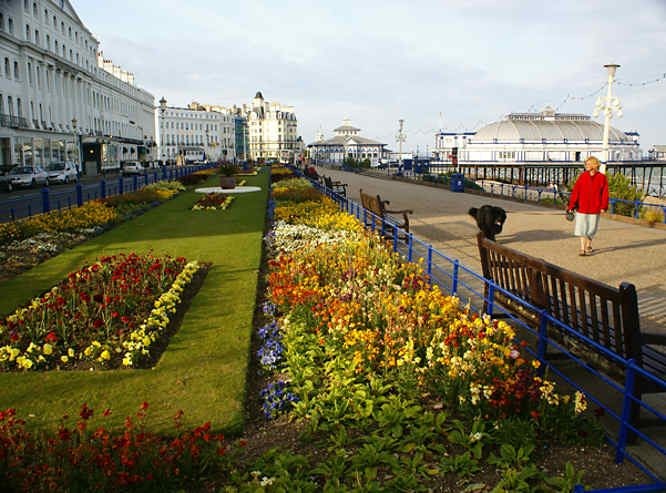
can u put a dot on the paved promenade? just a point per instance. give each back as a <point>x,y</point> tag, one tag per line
<point>623,252</point>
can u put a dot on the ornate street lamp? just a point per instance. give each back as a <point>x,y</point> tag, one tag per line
<point>75,122</point>
<point>608,104</point>
<point>163,107</point>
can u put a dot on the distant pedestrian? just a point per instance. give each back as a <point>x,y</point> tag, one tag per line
<point>589,198</point>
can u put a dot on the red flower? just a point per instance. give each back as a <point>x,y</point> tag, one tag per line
<point>144,406</point>
<point>107,412</point>
<point>86,412</point>
<point>51,337</point>
<point>98,323</point>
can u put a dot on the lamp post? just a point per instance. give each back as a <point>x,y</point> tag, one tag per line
<point>163,107</point>
<point>207,142</point>
<point>607,104</point>
<point>76,164</point>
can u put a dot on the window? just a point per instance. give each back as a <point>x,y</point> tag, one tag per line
<point>55,22</point>
<point>34,9</point>
<point>29,73</point>
<point>16,71</point>
<point>2,22</point>
<point>36,37</point>
<point>62,27</point>
<point>10,25</point>
<point>56,47</point>
<point>27,32</point>
<point>70,32</point>
<point>48,42</point>
<point>8,73</point>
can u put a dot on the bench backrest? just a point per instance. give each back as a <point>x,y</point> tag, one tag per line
<point>372,203</point>
<point>607,315</point>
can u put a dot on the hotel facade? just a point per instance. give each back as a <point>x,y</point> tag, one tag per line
<point>196,133</point>
<point>60,99</point>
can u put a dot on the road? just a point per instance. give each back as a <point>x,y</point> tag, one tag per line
<point>28,201</point>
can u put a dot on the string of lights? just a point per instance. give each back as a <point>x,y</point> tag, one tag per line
<point>642,84</point>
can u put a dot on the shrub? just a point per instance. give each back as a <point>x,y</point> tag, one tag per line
<point>193,179</point>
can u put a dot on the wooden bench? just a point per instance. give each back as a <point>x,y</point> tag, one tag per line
<point>377,206</point>
<point>604,314</point>
<point>336,186</point>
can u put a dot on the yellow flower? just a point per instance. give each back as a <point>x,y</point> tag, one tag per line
<point>47,349</point>
<point>105,355</point>
<point>536,363</point>
<point>64,358</point>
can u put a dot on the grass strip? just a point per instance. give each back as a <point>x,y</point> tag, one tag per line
<point>203,370</point>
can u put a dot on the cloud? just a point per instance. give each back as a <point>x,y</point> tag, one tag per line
<point>379,61</point>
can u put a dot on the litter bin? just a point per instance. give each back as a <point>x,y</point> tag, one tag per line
<point>457,183</point>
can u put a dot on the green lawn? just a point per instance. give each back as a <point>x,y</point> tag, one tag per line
<point>204,368</point>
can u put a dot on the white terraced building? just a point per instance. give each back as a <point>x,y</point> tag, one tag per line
<point>59,97</point>
<point>196,133</point>
<point>347,143</point>
<point>536,138</point>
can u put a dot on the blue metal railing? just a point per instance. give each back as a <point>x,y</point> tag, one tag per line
<point>465,283</point>
<point>47,200</point>
<point>564,196</point>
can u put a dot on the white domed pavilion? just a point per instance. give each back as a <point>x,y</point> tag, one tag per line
<point>538,137</point>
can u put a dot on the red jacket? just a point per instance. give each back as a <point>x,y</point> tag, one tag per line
<point>591,193</point>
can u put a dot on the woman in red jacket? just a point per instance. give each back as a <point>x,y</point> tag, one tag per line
<point>589,197</point>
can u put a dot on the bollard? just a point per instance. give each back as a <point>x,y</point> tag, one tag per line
<point>79,194</point>
<point>45,200</point>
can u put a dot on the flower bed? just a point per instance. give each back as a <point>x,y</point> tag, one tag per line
<point>87,456</point>
<point>213,202</point>
<point>28,242</point>
<point>108,314</point>
<point>405,387</point>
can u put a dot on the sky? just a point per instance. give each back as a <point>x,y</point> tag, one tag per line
<point>438,65</point>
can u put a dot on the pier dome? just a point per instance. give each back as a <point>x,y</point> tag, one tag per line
<point>547,126</point>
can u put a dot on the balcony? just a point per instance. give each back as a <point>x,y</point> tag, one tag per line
<point>11,121</point>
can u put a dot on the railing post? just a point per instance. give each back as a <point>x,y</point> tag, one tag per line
<point>164,173</point>
<point>395,238</point>
<point>626,411</point>
<point>612,205</point>
<point>135,183</point>
<point>456,268</point>
<point>79,194</point>
<point>636,207</point>
<point>154,176</point>
<point>102,189</point>
<point>373,223</point>
<point>429,259</point>
<point>46,207</point>
<point>543,342</point>
<point>120,185</point>
<point>365,218</point>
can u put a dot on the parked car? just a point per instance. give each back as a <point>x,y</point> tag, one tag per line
<point>28,176</point>
<point>62,172</point>
<point>132,168</point>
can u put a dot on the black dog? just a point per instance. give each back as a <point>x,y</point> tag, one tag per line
<point>490,220</point>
